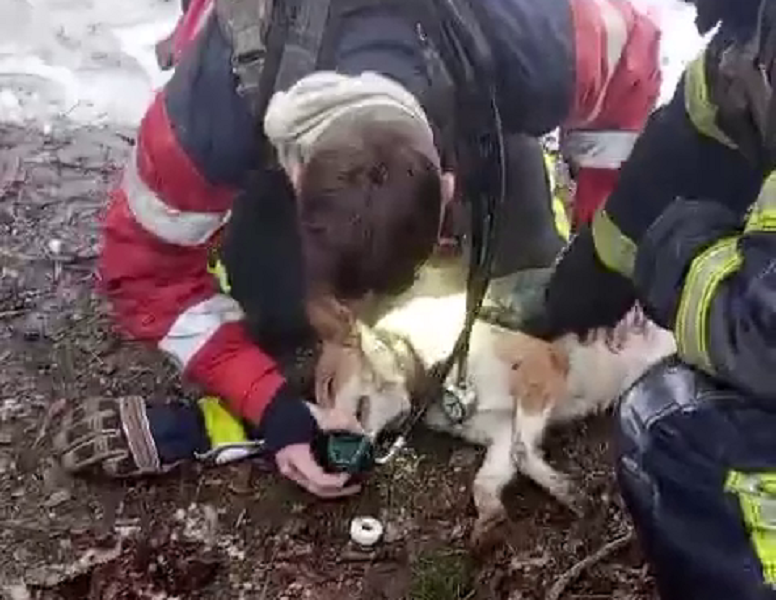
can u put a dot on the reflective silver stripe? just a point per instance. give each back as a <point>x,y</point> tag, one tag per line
<point>616,32</point>
<point>167,223</point>
<point>707,271</point>
<point>194,327</point>
<point>599,149</point>
<point>137,429</point>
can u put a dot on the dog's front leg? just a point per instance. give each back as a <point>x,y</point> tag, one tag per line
<point>496,471</point>
<point>530,425</point>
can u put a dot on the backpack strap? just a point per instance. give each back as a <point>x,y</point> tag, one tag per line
<point>302,48</point>
<point>246,25</point>
<point>274,44</point>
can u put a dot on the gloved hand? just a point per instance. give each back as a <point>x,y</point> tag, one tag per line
<point>289,427</point>
<point>684,230</point>
<point>582,293</point>
<point>126,437</point>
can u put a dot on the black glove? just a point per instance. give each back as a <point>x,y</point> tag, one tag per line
<point>684,230</point>
<point>126,437</point>
<point>582,293</point>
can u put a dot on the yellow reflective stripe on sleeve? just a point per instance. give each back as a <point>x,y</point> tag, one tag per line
<point>561,218</point>
<point>562,223</point>
<point>222,427</point>
<point>216,269</point>
<point>701,110</point>
<point>757,498</point>
<point>616,250</point>
<point>707,271</point>
<point>762,216</point>
<point>549,165</point>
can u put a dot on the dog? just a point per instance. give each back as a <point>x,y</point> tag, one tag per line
<point>521,384</point>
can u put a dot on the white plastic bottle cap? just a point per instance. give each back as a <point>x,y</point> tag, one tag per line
<point>365,531</point>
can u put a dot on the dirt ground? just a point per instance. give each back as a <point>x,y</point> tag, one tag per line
<point>236,531</point>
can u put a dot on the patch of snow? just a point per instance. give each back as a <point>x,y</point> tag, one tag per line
<point>680,41</point>
<point>93,60</point>
<point>90,60</point>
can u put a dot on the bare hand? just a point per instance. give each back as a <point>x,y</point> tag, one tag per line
<point>296,462</point>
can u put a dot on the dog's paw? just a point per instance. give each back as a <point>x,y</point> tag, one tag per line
<point>488,531</point>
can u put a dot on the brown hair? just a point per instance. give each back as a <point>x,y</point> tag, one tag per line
<point>369,207</point>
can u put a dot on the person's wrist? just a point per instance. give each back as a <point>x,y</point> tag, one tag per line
<point>286,421</point>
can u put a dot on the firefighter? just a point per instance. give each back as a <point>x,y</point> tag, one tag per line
<point>689,233</point>
<point>363,160</point>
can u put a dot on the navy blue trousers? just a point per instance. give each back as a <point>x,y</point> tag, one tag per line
<point>696,462</point>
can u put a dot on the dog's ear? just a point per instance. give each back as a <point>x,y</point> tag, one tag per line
<point>538,369</point>
<point>332,320</point>
<point>560,358</point>
<point>513,346</point>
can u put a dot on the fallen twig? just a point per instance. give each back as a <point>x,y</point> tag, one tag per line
<point>65,259</point>
<point>268,572</point>
<point>240,518</point>
<point>557,589</point>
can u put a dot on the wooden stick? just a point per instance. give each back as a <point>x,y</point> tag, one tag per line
<point>557,589</point>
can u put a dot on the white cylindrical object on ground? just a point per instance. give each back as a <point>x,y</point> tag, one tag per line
<point>366,531</point>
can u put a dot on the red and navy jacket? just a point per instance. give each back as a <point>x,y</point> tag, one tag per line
<point>589,66</point>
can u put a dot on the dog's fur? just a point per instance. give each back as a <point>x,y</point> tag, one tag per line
<point>522,385</point>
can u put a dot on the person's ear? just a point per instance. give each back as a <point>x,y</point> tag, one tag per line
<point>294,172</point>
<point>448,188</point>
<point>448,191</point>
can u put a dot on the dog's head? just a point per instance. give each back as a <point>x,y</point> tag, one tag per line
<point>374,380</point>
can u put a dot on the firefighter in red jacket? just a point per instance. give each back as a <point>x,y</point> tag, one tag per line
<point>365,170</point>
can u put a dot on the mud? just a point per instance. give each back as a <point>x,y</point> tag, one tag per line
<point>236,531</point>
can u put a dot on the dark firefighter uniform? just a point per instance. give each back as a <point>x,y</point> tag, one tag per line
<point>588,66</point>
<point>690,232</point>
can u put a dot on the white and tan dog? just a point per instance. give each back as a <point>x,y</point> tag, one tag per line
<point>522,384</point>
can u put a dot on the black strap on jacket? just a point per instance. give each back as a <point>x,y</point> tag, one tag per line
<point>467,54</point>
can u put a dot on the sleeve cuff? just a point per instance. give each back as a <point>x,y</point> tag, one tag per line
<point>286,421</point>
